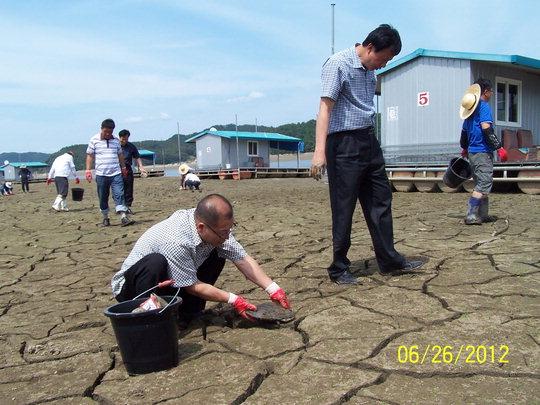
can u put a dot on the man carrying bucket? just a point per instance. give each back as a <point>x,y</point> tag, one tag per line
<point>478,141</point>
<point>61,169</point>
<point>190,247</point>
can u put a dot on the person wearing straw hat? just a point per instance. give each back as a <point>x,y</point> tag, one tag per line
<point>346,145</point>
<point>478,141</point>
<point>190,247</point>
<point>7,188</point>
<point>188,179</point>
<point>183,169</point>
<point>61,169</point>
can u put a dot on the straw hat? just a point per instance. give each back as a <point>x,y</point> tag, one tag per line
<point>183,169</point>
<point>469,101</point>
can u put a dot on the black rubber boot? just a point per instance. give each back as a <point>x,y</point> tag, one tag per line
<point>473,215</point>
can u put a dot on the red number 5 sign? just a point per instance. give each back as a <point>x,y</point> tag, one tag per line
<point>423,99</point>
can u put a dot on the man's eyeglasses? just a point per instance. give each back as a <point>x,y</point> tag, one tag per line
<point>223,234</point>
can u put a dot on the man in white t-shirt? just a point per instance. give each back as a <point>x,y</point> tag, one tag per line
<point>110,167</point>
<point>61,169</point>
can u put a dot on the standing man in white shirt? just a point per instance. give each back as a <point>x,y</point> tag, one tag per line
<point>110,167</point>
<point>61,169</point>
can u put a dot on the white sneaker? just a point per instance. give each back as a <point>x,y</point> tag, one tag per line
<point>63,205</point>
<point>56,207</point>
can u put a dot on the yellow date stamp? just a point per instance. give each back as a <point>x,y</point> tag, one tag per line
<point>446,354</point>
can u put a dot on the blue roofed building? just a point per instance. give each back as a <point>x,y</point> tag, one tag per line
<point>231,149</point>
<point>421,94</point>
<point>10,170</point>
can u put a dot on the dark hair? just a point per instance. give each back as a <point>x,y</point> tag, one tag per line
<point>382,37</point>
<point>484,84</point>
<point>108,123</point>
<point>123,132</point>
<point>208,211</point>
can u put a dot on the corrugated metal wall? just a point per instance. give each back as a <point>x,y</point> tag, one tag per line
<point>445,80</point>
<point>530,98</point>
<point>208,151</point>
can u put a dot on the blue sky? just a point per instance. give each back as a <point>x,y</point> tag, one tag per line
<point>67,65</point>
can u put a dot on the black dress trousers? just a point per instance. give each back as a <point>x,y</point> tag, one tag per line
<point>153,268</point>
<point>356,171</point>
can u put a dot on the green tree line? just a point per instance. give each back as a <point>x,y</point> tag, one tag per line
<point>167,150</point>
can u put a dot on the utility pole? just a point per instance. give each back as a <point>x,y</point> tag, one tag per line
<point>256,124</point>
<point>333,6</point>
<point>178,138</point>
<point>237,154</point>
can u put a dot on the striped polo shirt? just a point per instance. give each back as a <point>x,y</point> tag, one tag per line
<point>352,87</point>
<point>177,239</point>
<point>105,155</point>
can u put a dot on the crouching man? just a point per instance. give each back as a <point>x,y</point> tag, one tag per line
<point>190,247</point>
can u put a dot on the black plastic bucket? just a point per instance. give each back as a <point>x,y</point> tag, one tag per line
<point>459,171</point>
<point>77,194</point>
<point>148,341</point>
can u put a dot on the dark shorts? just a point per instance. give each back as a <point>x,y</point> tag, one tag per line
<point>61,184</point>
<point>482,169</point>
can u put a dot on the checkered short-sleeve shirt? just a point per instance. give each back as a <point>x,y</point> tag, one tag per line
<point>352,87</point>
<point>177,239</point>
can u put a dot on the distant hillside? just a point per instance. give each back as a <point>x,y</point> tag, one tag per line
<point>23,157</point>
<point>167,150</point>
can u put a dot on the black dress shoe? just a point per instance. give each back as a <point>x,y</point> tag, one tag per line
<point>345,278</point>
<point>408,267</point>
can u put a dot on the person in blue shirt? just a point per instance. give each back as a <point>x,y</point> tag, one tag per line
<point>131,153</point>
<point>478,141</point>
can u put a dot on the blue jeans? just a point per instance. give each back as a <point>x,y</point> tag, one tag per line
<point>114,183</point>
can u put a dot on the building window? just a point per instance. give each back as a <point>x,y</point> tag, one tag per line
<point>253,148</point>
<point>508,102</point>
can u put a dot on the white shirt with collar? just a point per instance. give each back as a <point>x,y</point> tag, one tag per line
<point>63,166</point>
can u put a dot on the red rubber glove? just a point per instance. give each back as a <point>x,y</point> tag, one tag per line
<point>503,155</point>
<point>124,172</point>
<point>241,305</point>
<point>279,297</point>
<point>88,175</point>
<point>77,181</point>
<point>464,153</point>
<point>49,181</point>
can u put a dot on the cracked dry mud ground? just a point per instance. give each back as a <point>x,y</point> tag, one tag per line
<point>480,287</point>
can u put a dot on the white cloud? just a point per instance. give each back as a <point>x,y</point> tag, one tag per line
<point>162,116</point>
<point>251,96</point>
<point>130,120</point>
